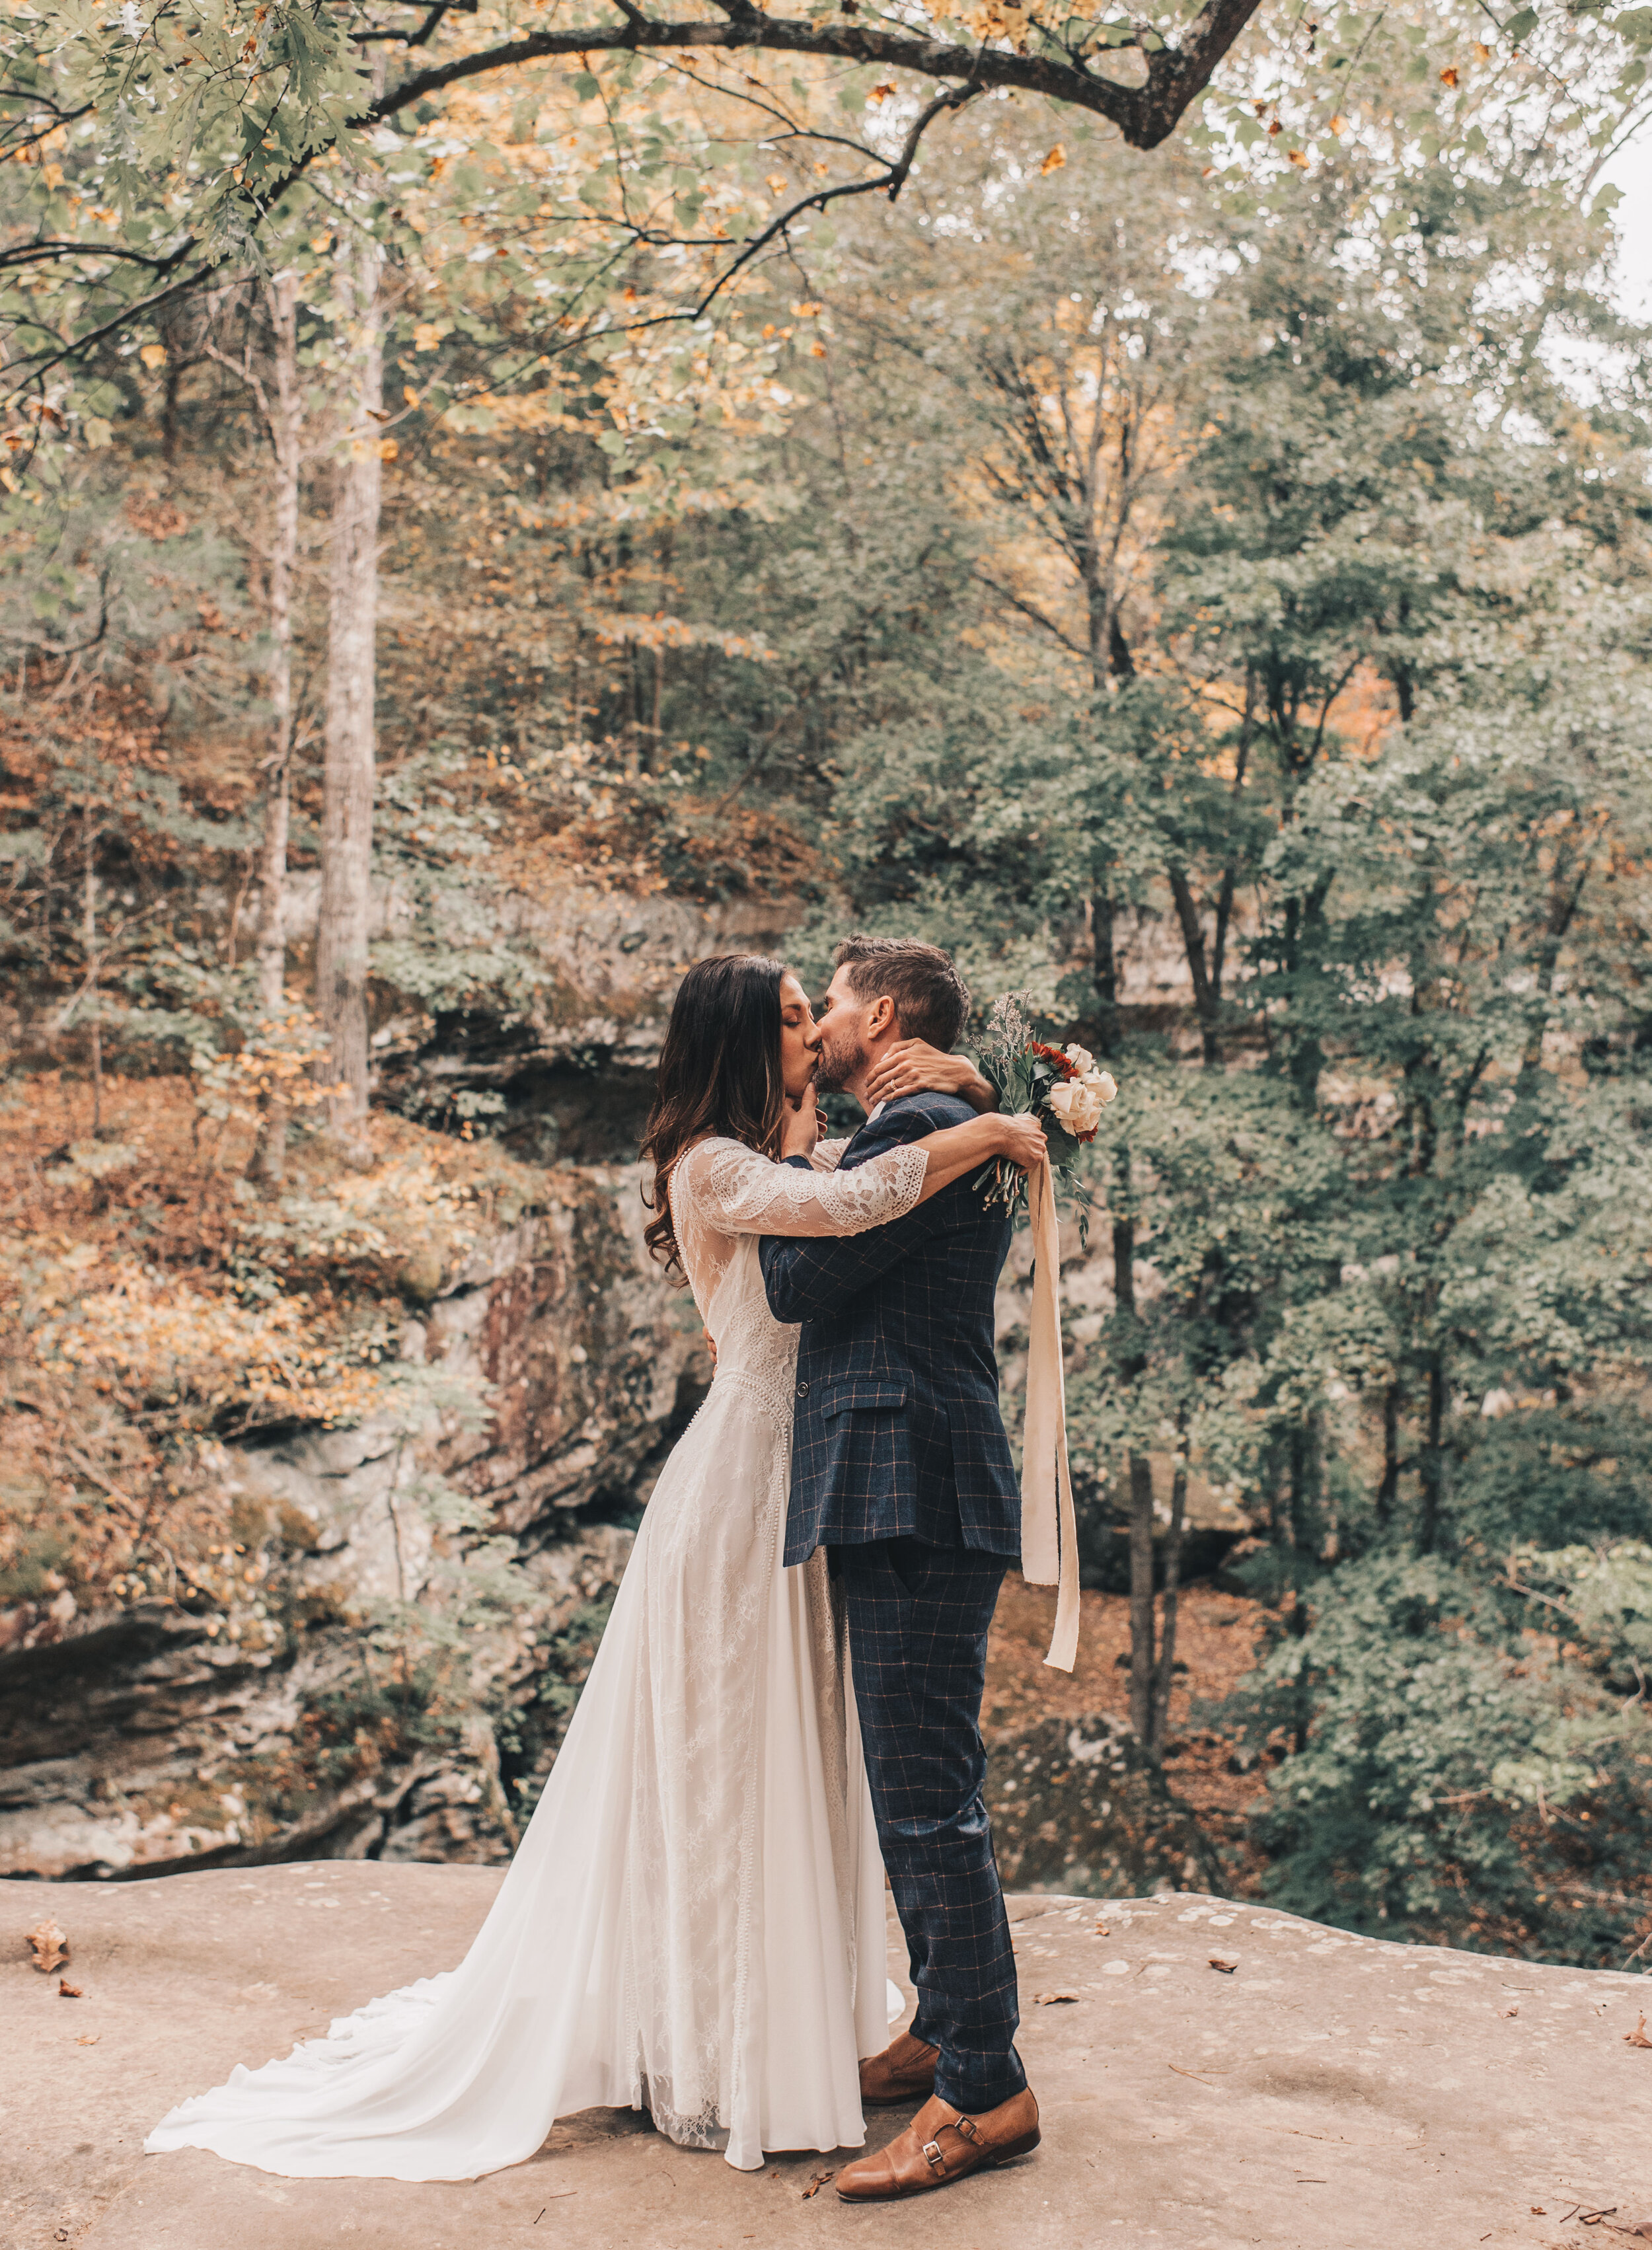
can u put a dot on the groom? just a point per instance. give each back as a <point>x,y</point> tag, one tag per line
<point>901,1470</point>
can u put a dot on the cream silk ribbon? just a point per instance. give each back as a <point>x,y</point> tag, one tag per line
<point>1049,1529</point>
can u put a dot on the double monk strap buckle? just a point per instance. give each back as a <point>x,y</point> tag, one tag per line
<point>920,2159</point>
<point>935,2157</point>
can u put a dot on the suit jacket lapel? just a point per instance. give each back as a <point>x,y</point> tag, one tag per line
<point>848,1146</point>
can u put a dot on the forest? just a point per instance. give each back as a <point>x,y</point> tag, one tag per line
<point>494,509</point>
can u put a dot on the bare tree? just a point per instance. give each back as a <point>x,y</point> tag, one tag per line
<point>347,810</point>
<point>280,408</point>
<point>285,417</point>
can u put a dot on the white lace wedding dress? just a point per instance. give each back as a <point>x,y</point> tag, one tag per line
<point>694,1921</point>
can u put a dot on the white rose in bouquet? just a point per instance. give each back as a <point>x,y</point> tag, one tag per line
<point>1082,1059</point>
<point>1077,1106</point>
<point>1103,1083</point>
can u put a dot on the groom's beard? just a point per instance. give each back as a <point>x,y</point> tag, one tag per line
<point>840,1060</point>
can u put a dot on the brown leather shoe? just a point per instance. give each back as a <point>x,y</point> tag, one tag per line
<point>939,2146</point>
<point>904,2072</point>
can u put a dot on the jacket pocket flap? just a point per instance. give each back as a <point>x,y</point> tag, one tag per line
<point>863,1393</point>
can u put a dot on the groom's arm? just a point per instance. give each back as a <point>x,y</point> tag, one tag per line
<point>804,1280</point>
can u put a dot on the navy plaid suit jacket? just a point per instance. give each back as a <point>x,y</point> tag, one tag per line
<point>896,1430</point>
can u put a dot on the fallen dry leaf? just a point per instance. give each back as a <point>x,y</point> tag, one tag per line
<point>1226,1967</point>
<point>66,1991</point>
<point>1539,2211</point>
<point>1638,2037</point>
<point>1101,1930</point>
<point>50,1946</point>
<point>1506,2012</point>
<point>817,2184</point>
<point>88,2039</point>
<point>1055,2000</point>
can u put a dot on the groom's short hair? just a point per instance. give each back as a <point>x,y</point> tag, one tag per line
<point>931,1000</point>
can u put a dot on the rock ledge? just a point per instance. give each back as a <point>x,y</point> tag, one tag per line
<point>1325,2089</point>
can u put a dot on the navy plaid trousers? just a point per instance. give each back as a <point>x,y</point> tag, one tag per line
<point>918,1618</point>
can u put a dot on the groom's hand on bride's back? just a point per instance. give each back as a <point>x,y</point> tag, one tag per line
<point>914,1066</point>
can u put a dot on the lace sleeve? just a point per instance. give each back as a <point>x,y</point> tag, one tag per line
<point>737,1191</point>
<point>828,1154</point>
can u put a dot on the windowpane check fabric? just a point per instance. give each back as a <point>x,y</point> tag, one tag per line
<point>901,1466</point>
<point>897,1428</point>
<point>918,1622</point>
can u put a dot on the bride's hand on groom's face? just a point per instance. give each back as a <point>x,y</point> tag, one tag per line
<point>799,1124</point>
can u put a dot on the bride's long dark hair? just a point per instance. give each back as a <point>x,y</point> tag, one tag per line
<point>719,1072</point>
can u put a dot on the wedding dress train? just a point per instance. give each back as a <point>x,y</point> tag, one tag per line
<point>694,1923</point>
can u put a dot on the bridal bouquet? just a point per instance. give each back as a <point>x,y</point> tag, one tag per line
<point>1060,1086</point>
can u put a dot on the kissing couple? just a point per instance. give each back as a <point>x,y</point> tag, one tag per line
<point>786,1701</point>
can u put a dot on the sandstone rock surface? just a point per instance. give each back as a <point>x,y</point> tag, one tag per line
<point>1325,2090</point>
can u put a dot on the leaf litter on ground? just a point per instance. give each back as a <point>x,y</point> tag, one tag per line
<point>49,1944</point>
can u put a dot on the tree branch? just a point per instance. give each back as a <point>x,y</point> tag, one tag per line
<point>1143,115</point>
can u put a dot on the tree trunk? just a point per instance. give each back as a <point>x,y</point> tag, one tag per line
<point>1433,1462</point>
<point>1168,1607</point>
<point>1141,1599</point>
<point>1388,1490</point>
<point>286,429</point>
<point>347,789</point>
<point>89,935</point>
<point>1299,1475</point>
<point>1104,958</point>
<point>1132,1365</point>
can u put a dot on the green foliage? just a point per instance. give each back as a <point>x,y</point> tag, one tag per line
<point>1453,1774</point>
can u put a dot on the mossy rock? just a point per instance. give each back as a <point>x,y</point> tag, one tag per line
<point>422,1272</point>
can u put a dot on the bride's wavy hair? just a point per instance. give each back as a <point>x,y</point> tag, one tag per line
<point>719,1072</point>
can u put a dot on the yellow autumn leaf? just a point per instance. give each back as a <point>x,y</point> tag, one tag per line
<point>426,335</point>
<point>153,354</point>
<point>880,93</point>
<point>1448,76</point>
<point>1337,124</point>
<point>388,449</point>
<point>1298,159</point>
<point>1054,162</point>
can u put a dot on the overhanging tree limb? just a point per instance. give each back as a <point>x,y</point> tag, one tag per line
<point>1144,115</point>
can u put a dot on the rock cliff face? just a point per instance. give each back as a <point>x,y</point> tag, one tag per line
<point>180,1735</point>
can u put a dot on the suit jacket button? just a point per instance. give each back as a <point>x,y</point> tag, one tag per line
<point>803,1390</point>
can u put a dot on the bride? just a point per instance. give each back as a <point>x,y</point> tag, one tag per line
<point>694,1924</point>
